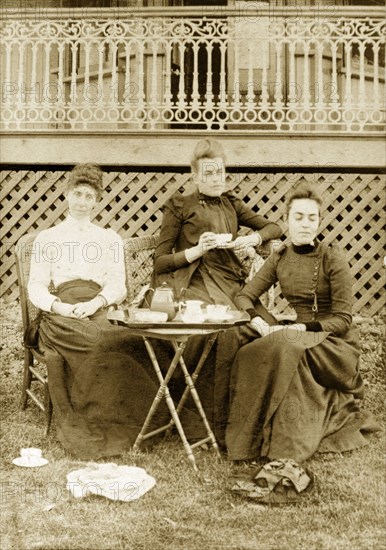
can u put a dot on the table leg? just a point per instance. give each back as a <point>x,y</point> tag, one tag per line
<point>190,388</point>
<point>164,392</point>
<point>208,346</point>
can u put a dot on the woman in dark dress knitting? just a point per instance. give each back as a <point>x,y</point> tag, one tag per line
<point>190,257</point>
<point>296,389</point>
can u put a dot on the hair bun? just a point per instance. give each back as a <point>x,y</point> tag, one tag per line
<point>87,174</point>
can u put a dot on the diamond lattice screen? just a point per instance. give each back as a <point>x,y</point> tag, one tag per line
<point>132,203</point>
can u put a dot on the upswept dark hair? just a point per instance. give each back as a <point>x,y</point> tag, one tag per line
<point>207,148</point>
<point>303,190</point>
<point>87,174</point>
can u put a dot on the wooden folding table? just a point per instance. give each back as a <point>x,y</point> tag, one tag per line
<point>178,334</point>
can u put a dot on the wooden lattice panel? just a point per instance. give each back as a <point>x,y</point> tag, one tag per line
<point>132,203</point>
<point>353,216</point>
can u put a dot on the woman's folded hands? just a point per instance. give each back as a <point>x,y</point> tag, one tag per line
<point>262,327</point>
<point>81,310</point>
<point>61,308</point>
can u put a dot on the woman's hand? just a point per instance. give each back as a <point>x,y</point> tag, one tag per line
<point>60,308</point>
<point>207,241</point>
<point>262,327</point>
<point>86,309</point>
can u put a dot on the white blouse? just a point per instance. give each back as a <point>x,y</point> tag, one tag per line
<point>76,250</point>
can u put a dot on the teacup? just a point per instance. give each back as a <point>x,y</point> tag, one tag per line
<point>31,453</point>
<point>216,311</point>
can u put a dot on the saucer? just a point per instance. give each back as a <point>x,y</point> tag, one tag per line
<point>223,238</point>
<point>31,463</point>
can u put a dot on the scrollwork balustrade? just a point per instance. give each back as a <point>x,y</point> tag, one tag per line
<point>163,73</point>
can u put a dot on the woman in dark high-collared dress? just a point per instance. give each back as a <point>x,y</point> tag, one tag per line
<point>296,389</point>
<point>190,257</point>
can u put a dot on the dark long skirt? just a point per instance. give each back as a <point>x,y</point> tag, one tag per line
<point>102,382</point>
<point>295,393</point>
<point>99,387</point>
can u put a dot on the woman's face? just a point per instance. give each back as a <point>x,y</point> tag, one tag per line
<point>81,201</point>
<point>210,177</point>
<point>303,221</point>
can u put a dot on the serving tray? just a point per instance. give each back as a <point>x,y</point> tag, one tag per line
<point>121,317</point>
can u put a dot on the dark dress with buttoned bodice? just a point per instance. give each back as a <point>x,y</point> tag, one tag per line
<point>296,392</point>
<point>216,277</point>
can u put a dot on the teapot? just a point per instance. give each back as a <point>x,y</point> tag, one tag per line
<point>163,300</point>
<point>191,311</point>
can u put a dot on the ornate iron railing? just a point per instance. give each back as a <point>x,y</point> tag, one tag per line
<point>165,70</point>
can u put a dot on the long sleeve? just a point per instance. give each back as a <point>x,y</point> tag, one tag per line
<point>337,270</point>
<point>165,259</point>
<point>248,218</point>
<point>42,258</point>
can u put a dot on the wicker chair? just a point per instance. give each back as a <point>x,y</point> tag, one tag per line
<point>139,253</point>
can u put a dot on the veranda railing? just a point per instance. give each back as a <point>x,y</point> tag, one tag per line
<point>261,70</point>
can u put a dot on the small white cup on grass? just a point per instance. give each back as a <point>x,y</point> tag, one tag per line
<point>31,454</point>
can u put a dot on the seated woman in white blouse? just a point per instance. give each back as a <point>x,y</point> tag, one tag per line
<point>95,376</point>
<point>78,250</point>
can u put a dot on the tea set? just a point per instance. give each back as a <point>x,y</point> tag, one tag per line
<point>163,303</point>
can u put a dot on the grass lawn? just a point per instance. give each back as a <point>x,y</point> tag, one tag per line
<point>185,510</point>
